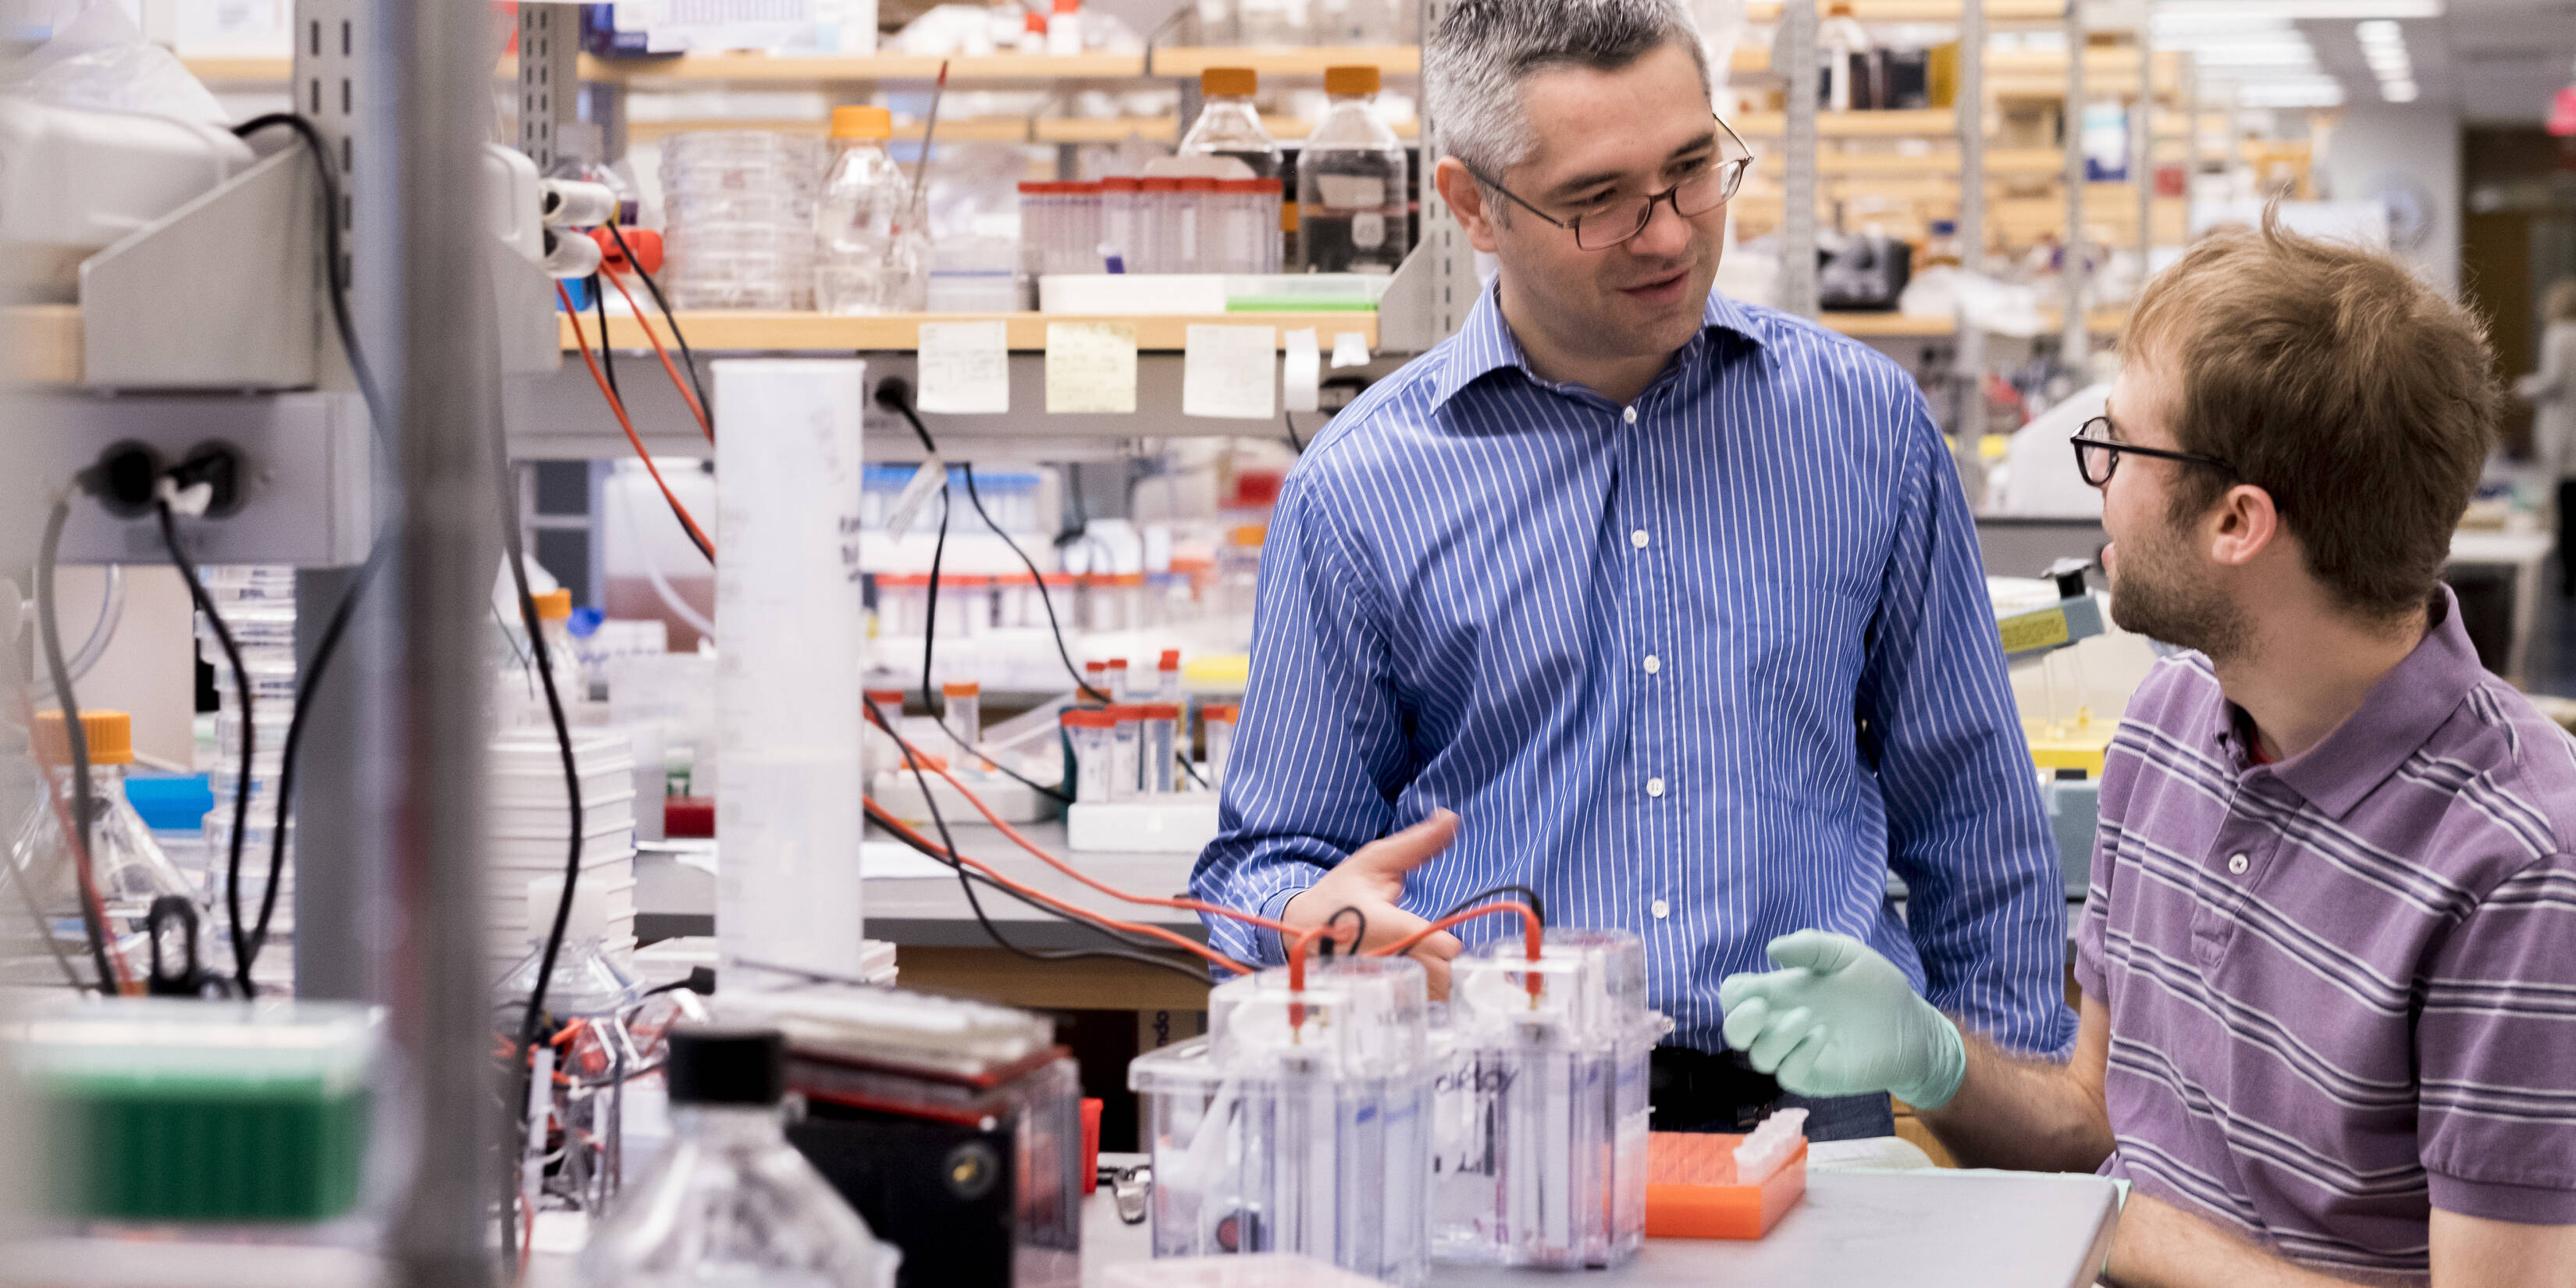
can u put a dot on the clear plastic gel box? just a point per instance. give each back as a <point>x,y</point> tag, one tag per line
<point>1540,1106</point>
<point>1300,1124</point>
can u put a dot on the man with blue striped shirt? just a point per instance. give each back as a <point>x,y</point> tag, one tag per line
<point>1664,606</point>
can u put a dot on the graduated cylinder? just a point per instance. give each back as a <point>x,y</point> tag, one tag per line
<point>789,701</point>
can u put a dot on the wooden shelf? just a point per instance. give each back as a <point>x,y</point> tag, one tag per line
<point>2036,73</point>
<point>973,129</point>
<point>1165,129</point>
<point>1901,326</point>
<point>40,343</point>
<point>730,331</point>
<point>758,68</point>
<point>1391,60</point>
<point>1938,122</point>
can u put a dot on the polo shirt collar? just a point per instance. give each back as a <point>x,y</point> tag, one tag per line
<point>1485,343</point>
<point>2400,715</point>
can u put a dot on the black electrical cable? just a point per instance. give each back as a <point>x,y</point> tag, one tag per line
<point>1357,940</point>
<point>1140,952</point>
<point>74,736</point>
<point>607,364</point>
<point>1293,440</point>
<point>309,679</point>
<point>1523,891</point>
<point>966,884</point>
<point>508,501</point>
<point>688,360</point>
<point>249,743</point>
<point>334,261</point>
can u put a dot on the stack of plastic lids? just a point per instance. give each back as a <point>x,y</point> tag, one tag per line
<point>528,818</point>
<point>258,606</point>
<point>738,219</point>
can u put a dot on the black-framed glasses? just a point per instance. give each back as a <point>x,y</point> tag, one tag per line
<point>1604,228</point>
<point>2097,457</point>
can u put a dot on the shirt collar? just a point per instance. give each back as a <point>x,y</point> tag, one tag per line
<point>1485,343</point>
<point>2401,713</point>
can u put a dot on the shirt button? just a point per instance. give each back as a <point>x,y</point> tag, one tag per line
<point>2237,864</point>
<point>1660,908</point>
<point>1639,538</point>
<point>1653,664</point>
<point>1654,787</point>
<point>1628,414</point>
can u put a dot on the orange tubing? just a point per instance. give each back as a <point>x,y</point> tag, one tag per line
<point>618,405</point>
<point>687,395</point>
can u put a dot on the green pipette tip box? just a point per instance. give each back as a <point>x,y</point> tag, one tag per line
<point>182,1111</point>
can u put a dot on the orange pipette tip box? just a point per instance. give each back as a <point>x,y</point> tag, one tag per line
<point>1691,1192</point>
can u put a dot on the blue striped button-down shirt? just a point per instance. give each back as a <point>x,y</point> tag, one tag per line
<point>1705,668</point>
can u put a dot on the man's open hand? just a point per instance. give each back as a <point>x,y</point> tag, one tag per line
<point>1372,880</point>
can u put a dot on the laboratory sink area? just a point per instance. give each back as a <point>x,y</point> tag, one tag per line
<point>1287,643</point>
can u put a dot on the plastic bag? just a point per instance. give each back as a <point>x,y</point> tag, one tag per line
<point>100,60</point>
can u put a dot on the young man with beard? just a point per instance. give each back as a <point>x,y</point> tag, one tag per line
<point>2328,957</point>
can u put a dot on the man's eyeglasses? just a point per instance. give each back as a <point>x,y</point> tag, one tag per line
<point>2097,457</point>
<point>1704,190</point>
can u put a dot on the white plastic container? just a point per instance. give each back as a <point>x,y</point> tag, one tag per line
<point>788,593</point>
<point>73,182</point>
<point>1089,731</point>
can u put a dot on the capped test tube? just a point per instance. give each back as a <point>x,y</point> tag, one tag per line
<point>1158,226</point>
<point>877,748</point>
<point>1095,691</point>
<point>1196,244</point>
<point>1126,745</point>
<point>1090,732</point>
<point>1120,239</point>
<point>1118,686</point>
<point>964,714</point>
<point>1167,676</point>
<point>1218,719</point>
<point>1162,737</point>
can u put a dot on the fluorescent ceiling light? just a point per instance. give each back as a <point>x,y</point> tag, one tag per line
<point>2285,60</point>
<point>2400,91</point>
<point>2287,93</point>
<point>2380,31</point>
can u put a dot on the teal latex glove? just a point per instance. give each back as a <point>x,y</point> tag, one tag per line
<point>1839,1020</point>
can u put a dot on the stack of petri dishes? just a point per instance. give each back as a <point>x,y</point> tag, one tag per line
<point>738,215</point>
<point>258,605</point>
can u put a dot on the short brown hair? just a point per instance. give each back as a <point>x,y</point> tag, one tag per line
<point>2340,383</point>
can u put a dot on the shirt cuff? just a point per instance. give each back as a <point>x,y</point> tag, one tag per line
<point>1265,941</point>
<point>2503,1200</point>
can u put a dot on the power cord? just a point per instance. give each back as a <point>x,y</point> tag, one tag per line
<point>249,744</point>
<point>607,361</point>
<point>93,919</point>
<point>688,359</point>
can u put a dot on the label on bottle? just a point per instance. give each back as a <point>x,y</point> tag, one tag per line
<point>1347,190</point>
<point>1368,230</point>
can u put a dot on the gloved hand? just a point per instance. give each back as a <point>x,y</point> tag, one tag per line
<point>1839,1020</point>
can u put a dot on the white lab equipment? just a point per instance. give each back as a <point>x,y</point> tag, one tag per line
<point>733,1202</point>
<point>788,594</point>
<point>1126,751</point>
<point>964,714</point>
<point>1540,1116</point>
<point>1298,1124</point>
<point>73,182</point>
<point>1351,202</point>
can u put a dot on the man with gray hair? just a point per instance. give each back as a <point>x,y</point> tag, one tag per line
<point>1659,609</point>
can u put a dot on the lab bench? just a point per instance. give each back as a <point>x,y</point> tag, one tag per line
<point>1928,1229</point>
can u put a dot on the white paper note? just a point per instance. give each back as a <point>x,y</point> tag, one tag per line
<point>1091,367</point>
<point>1300,371</point>
<point>1230,372</point>
<point>1350,349</point>
<point>966,367</point>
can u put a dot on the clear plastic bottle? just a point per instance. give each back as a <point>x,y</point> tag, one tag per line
<point>733,1204</point>
<point>1351,202</point>
<point>43,911</point>
<point>871,255</point>
<point>1229,125</point>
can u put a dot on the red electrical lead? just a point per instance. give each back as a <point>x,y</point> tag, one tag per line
<point>687,395</point>
<point>618,406</point>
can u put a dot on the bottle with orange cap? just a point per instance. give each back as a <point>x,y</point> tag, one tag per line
<point>1353,214</point>
<point>870,254</point>
<point>1229,125</point>
<point>128,869</point>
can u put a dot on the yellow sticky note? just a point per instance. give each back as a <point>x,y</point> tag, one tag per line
<point>1091,367</point>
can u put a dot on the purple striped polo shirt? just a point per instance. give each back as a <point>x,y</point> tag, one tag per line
<point>2342,987</point>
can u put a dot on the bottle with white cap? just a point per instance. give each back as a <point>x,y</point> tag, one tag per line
<point>733,1202</point>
